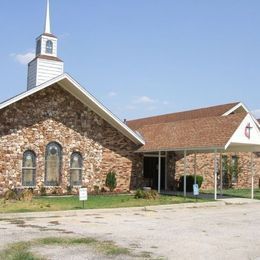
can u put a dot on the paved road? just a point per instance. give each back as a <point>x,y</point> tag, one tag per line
<point>201,231</point>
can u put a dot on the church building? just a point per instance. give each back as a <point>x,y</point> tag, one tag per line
<point>57,135</point>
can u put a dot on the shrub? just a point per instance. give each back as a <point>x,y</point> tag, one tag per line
<point>10,195</point>
<point>26,195</point>
<point>190,180</point>
<point>69,190</point>
<point>111,181</point>
<point>139,194</point>
<point>103,189</point>
<point>42,191</point>
<point>96,189</point>
<point>57,191</point>
<point>146,194</point>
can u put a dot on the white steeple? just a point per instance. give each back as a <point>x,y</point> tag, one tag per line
<point>46,65</point>
<point>47,28</point>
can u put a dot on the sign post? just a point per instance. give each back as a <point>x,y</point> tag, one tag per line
<point>83,195</point>
<point>196,191</point>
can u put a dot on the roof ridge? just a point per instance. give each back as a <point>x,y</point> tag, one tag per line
<point>195,119</point>
<point>217,110</point>
<point>186,111</point>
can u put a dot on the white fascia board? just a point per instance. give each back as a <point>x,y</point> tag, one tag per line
<point>248,111</point>
<point>245,108</point>
<point>109,116</point>
<point>31,91</point>
<point>235,108</point>
<point>240,139</point>
<point>106,113</point>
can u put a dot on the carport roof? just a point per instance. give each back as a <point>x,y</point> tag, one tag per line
<point>205,133</point>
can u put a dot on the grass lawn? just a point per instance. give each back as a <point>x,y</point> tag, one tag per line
<point>242,193</point>
<point>94,202</point>
<point>22,250</point>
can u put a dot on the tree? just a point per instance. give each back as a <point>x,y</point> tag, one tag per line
<point>230,169</point>
<point>111,181</point>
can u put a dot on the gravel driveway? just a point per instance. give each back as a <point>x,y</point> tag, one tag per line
<point>199,231</point>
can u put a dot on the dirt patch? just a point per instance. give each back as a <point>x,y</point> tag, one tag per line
<point>55,222</point>
<point>83,248</point>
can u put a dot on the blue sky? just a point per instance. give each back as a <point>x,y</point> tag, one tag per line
<point>142,57</point>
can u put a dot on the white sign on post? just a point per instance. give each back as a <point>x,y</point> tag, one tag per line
<point>195,189</point>
<point>83,194</point>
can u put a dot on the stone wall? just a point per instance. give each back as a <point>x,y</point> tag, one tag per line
<point>205,168</point>
<point>55,115</point>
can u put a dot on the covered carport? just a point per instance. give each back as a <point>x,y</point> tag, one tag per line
<point>233,133</point>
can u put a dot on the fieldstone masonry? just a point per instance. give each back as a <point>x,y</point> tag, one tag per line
<point>205,168</point>
<point>55,115</point>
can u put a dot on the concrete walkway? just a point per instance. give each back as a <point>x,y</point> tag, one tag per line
<point>237,201</point>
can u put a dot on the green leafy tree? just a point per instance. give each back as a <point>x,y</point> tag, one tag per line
<point>231,169</point>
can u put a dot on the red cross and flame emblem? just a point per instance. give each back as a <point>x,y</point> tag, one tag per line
<point>248,130</point>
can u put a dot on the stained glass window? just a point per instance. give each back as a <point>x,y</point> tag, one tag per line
<point>76,163</point>
<point>29,168</point>
<point>53,164</point>
<point>49,47</point>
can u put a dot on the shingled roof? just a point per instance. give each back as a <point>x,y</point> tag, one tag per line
<point>186,115</point>
<point>199,133</point>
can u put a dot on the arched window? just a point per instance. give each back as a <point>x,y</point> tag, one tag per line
<point>49,47</point>
<point>53,161</point>
<point>29,168</point>
<point>76,163</point>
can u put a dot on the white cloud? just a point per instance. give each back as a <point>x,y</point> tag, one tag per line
<point>256,113</point>
<point>165,103</point>
<point>146,103</point>
<point>130,107</point>
<point>64,35</point>
<point>112,94</point>
<point>144,100</point>
<point>151,108</point>
<point>24,58</point>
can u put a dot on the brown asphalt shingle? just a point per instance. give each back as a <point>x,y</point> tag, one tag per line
<point>46,57</point>
<point>186,115</point>
<point>208,132</point>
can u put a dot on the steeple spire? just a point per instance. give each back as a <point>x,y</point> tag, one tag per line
<point>46,65</point>
<point>47,28</point>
